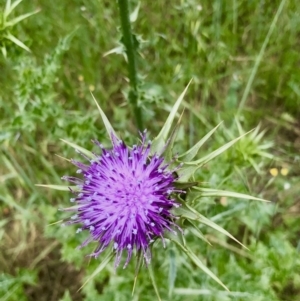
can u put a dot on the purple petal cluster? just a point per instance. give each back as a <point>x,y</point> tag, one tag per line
<point>125,199</point>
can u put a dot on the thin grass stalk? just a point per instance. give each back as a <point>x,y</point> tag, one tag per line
<point>259,58</point>
<point>131,57</point>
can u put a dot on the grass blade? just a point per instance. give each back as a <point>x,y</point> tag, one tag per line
<point>151,274</point>
<point>58,187</point>
<point>101,266</point>
<point>259,58</point>
<point>172,272</point>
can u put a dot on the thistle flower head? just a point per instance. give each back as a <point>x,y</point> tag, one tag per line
<point>126,194</point>
<point>125,199</point>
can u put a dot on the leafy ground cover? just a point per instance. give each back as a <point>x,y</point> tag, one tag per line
<point>76,48</point>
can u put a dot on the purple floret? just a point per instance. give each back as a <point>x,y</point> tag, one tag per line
<point>125,199</point>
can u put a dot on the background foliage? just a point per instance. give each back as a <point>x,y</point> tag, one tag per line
<point>44,96</point>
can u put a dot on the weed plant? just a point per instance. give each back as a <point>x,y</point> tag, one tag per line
<point>76,47</point>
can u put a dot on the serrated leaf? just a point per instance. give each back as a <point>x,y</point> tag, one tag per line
<point>160,140</point>
<point>20,18</point>
<point>101,266</point>
<point>106,122</point>
<point>12,38</point>
<point>81,149</point>
<point>200,264</point>
<point>207,192</point>
<point>58,187</point>
<point>216,153</point>
<point>192,152</point>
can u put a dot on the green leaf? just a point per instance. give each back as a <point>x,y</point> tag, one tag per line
<point>188,212</point>
<point>192,152</point>
<point>101,266</point>
<point>10,37</point>
<point>10,201</point>
<point>151,274</point>
<point>199,263</point>
<point>137,269</point>
<point>160,141</point>
<point>178,236</point>
<point>135,13</point>
<point>106,122</point>
<point>10,7</point>
<point>6,10</point>
<point>81,149</point>
<point>4,51</point>
<point>172,272</point>
<point>66,296</point>
<point>186,172</point>
<point>58,187</point>
<point>216,153</point>
<point>218,295</point>
<point>207,192</point>
<point>185,185</point>
<point>196,231</point>
<point>117,50</point>
<point>20,18</point>
<point>168,153</point>
<point>183,212</point>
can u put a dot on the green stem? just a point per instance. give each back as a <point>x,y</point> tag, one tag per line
<point>131,52</point>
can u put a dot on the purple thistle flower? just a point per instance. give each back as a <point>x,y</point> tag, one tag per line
<point>125,199</point>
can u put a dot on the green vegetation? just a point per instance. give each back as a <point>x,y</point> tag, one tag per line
<point>245,70</point>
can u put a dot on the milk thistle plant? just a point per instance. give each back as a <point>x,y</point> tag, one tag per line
<point>128,197</point>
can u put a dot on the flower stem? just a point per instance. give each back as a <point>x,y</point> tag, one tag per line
<point>131,57</point>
